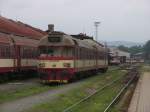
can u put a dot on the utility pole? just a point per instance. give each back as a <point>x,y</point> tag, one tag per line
<point>96,29</point>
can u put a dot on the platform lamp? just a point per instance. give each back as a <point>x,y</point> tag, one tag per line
<point>96,29</point>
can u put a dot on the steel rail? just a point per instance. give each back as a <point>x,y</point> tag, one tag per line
<point>99,90</point>
<point>119,94</point>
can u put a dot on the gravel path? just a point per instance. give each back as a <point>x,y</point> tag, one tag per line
<point>27,102</point>
<point>18,84</point>
<point>141,98</point>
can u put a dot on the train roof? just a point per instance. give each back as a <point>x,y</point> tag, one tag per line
<point>19,28</point>
<point>94,43</point>
<point>25,41</point>
<point>68,40</point>
<point>4,38</point>
<point>17,40</point>
<point>82,36</point>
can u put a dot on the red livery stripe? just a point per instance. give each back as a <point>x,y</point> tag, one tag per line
<point>56,58</point>
<point>6,69</point>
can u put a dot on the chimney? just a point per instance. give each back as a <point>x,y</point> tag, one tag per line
<point>50,27</point>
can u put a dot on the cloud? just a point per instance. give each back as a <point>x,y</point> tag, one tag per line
<point>121,19</point>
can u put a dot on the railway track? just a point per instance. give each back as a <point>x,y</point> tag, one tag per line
<point>127,83</point>
<point>120,93</point>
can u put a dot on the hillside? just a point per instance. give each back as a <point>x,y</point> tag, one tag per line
<point>124,43</point>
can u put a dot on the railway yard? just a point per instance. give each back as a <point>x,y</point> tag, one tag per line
<point>51,71</point>
<point>106,92</point>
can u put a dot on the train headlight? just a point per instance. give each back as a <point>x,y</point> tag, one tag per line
<point>54,65</point>
<point>42,65</point>
<point>67,64</point>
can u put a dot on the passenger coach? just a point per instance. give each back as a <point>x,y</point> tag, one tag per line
<point>64,57</point>
<point>17,54</point>
<point>6,54</point>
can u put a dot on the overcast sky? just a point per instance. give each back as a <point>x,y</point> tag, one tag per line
<point>120,19</point>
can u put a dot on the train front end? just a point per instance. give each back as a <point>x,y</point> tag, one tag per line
<point>56,61</point>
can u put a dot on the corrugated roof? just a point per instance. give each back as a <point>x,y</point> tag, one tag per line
<point>19,28</point>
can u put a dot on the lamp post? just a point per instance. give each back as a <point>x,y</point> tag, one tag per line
<point>96,29</point>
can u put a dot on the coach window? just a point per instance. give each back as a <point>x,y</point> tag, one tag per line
<point>80,53</point>
<point>34,53</point>
<point>0,51</point>
<point>54,51</point>
<point>21,52</point>
<point>50,51</point>
<point>67,51</point>
<point>43,51</point>
<point>4,51</point>
<point>87,54</point>
<point>24,52</point>
<point>101,55</point>
<point>7,52</point>
<point>31,52</point>
<point>11,51</point>
<point>76,52</point>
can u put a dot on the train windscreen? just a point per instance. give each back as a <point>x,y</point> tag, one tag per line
<point>56,51</point>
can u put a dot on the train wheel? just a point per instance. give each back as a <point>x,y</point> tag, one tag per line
<point>104,70</point>
<point>4,77</point>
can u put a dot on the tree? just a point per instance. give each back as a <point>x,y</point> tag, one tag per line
<point>132,50</point>
<point>136,49</point>
<point>123,48</point>
<point>147,50</point>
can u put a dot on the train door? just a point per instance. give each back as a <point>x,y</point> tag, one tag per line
<point>13,54</point>
<point>97,58</point>
<point>18,57</point>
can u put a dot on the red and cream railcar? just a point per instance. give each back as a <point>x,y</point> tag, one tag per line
<point>6,54</point>
<point>25,53</point>
<point>62,57</point>
<point>17,53</point>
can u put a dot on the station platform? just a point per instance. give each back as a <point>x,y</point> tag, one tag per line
<point>141,98</point>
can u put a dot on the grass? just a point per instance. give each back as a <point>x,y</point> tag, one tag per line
<point>23,92</point>
<point>91,85</point>
<point>123,104</point>
<point>100,101</point>
<point>145,68</point>
<point>28,91</point>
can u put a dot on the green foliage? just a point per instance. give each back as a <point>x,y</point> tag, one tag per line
<point>132,50</point>
<point>23,92</point>
<point>135,49</point>
<point>123,48</point>
<point>147,50</point>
